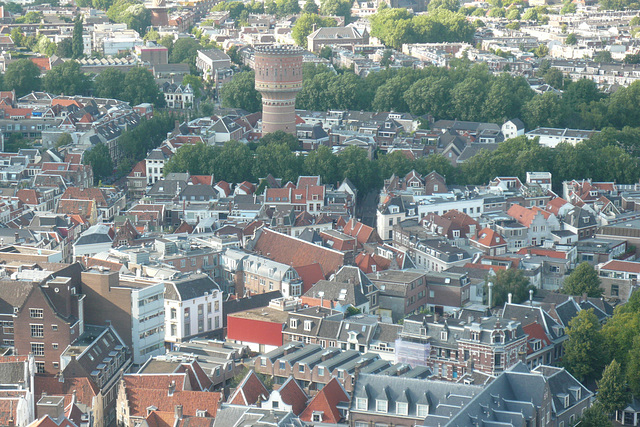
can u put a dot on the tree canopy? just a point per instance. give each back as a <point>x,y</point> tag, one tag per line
<point>395,27</point>
<point>583,356</point>
<point>23,76</point>
<point>583,280</point>
<point>613,394</point>
<point>509,281</point>
<point>68,79</point>
<point>100,160</point>
<point>304,26</point>
<point>240,92</point>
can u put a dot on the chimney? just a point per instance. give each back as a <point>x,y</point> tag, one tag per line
<point>531,297</point>
<point>16,236</point>
<point>178,412</point>
<point>510,297</point>
<point>584,296</point>
<point>172,388</point>
<point>436,317</point>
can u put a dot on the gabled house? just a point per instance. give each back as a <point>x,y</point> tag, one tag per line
<point>490,242</point>
<point>539,223</point>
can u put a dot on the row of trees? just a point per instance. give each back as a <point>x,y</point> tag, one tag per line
<point>134,144</point>
<point>466,91</point>
<point>135,86</point>
<point>395,27</point>
<point>600,161</point>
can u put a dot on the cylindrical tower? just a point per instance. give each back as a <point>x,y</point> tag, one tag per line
<point>278,79</point>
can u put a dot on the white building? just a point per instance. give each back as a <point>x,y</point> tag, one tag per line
<point>208,61</point>
<point>193,307</point>
<point>512,128</point>
<point>550,137</point>
<point>155,165</point>
<point>147,316</point>
<point>97,238</point>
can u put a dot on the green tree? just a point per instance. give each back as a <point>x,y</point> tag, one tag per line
<point>613,394</point>
<point>452,5</point>
<point>571,39</point>
<point>185,50</point>
<point>100,160</point>
<point>110,83</point>
<point>304,26</point>
<point>603,56</point>
<point>584,279</point>
<point>240,92</point>
<point>633,367</point>
<point>497,12</point>
<point>583,356</point>
<point>568,7</point>
<point>234,162</point>
<point>543,110</point>
<point>17,36</point>
<point>554,77</point>
<point>196,84</point>
<point>595,416</point>
<point>65,139</point>
<point>64,49</point>
<point>541,51</point>
<point>336,8</point>
<point>513,14</point>
<point>394,163</point>
<point>68,79</point>
<point>30,18</point>
<point>324,163</point>
<point>510,281</point>
<point>130,12</point>
<point>193,158</point>
<point>281,137</point>
<point>140,87</point>
<point>16,142</point>
<point>278,160</point>
<point>310,6</point>
<point>77,45</point>
<point>354,164</point>
<point>23,76</point>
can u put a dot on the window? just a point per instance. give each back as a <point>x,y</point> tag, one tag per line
<point>422,411</point>
<point>40,367</point>
<point>317,417</point>
<point>402,408</point>
<point>183,263</point>
<point>54,327</point>
<point>216,306</point>
<point>307,325</point>
<point>282,365</point>
<point>37,348</point>
<point>37,331</point>
<point>381,406</point>
<point>615,290</point>
<point>320,371</point>
<point>36,313</point>
<point>54,345</point>
<point>444,335</point>
<point>174,313</point>
<point>293,323</point>
<point>56,365</point>
<point>361,404</point>
<point>301,368</point>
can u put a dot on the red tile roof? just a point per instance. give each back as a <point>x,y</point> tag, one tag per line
<point>144,390</point>
<point>326,402</point>
<point>65,102</point>
<point>293,395</point>
<point>554,205</point>
<point>367,261</point>
<point>363,233</point>
<point>296,252</point>
<point>249,391</point>
<point>628,266</point>
<point>310,275</point>
<point>86,390</point>
<point>78,193</point>
<point>489,238</point>
<point>526,216</point>
<point>44,64</point>
<point>202,179</point>
<point>27,196</point>
<point>543,252</point>
<point>140,167</point>
<point>536,331</point>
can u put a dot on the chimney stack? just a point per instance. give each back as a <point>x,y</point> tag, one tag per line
<point>490,300</point>
<point>178,412</point>
<point>510,297</point>
<point>172,388</point>
<point>531,297</point>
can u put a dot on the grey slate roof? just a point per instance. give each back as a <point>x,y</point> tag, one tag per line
<point>190,287</point>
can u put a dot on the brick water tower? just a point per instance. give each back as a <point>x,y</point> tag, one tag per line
<point>278,79</point>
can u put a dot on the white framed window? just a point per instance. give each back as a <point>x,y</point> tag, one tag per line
<point>361,404</point>
<point>36,313</point>
<point>422,410</point>
<point>37,348</point>
<point>293,323</point>
<point>402,408</point>
<point>382,405</point>
<point>37,331</point>
<point>307,325</point>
